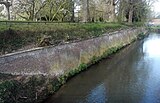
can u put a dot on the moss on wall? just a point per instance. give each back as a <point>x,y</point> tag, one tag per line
<point>34,89</point>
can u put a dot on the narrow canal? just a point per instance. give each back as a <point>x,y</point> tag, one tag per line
<point>130,76</point>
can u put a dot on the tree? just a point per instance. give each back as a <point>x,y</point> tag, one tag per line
<point>138,11</point>
<point>85,11</point>
<point>133,10</point>
<point>59,10</point>
<point>72,8</point>
<point>112,17</point>
<point>91,10</point>
<point>29,9</point>
<point>121,10</point>
<point>7,5</point>
<point>130,12</point>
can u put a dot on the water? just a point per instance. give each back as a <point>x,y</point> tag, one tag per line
<point>130,76</point>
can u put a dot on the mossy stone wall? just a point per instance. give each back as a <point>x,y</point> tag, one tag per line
<point>40,72</point>
<point>57,60</point>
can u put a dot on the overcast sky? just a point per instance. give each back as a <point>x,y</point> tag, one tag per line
<point>156,6</point>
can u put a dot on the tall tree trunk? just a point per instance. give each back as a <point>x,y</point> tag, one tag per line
<point>121,11</point>
<point>106,10</point>
<point>130,17</point>
<point>8,9</point>
<point>85,10</point>
<point>72,10</point>
<point>33,11</point>
<point>7,5</point>
<point>112,11</point>
<point>121,16</point>
<point>8,12</point>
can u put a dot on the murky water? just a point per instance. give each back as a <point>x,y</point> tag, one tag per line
<point>130,76</point>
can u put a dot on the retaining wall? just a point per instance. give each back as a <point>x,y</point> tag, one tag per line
<point>60,59</point>
<point>36,73</point>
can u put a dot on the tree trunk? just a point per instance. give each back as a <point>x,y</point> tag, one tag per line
<point>106,10</point>
<point>33,11</point>
<point>72,10</point>
<point>7,5</point>
<point>121,11</point>
<point>112,11</point>
<point>85,10</point>
<point>130,15</point>
<point>8,12</point>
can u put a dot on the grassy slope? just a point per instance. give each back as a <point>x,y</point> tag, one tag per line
<point>19,35</point>
<point>154,28</point>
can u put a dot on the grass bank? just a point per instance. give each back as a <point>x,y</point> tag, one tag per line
<point>20,36</point>
<point>154,28</point>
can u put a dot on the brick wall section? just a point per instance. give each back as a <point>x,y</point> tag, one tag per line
<point>60,59</point>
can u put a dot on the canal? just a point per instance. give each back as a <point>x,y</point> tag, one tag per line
<point>130,76</point>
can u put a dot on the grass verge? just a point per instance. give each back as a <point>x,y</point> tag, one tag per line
<point>22,36</point>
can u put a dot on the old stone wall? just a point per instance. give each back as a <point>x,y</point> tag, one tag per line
<point>60,59</point>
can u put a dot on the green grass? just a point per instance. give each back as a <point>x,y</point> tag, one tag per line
<point>155,27</point>
<point>58,26</point>
<point>14,36</point>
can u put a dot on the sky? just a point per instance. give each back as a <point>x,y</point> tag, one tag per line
<point>156,6</point>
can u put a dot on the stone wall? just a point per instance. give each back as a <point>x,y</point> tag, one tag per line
<point>60,59</point>
<point>31,76</point>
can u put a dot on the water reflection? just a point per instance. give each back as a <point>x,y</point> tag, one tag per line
<point>130,76</point>
<point>97,95</point>
<point>152,46</point>
<point>152,57</point>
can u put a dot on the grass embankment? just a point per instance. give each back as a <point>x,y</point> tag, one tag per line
<point>154,28</point>
<point>16,36</point>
